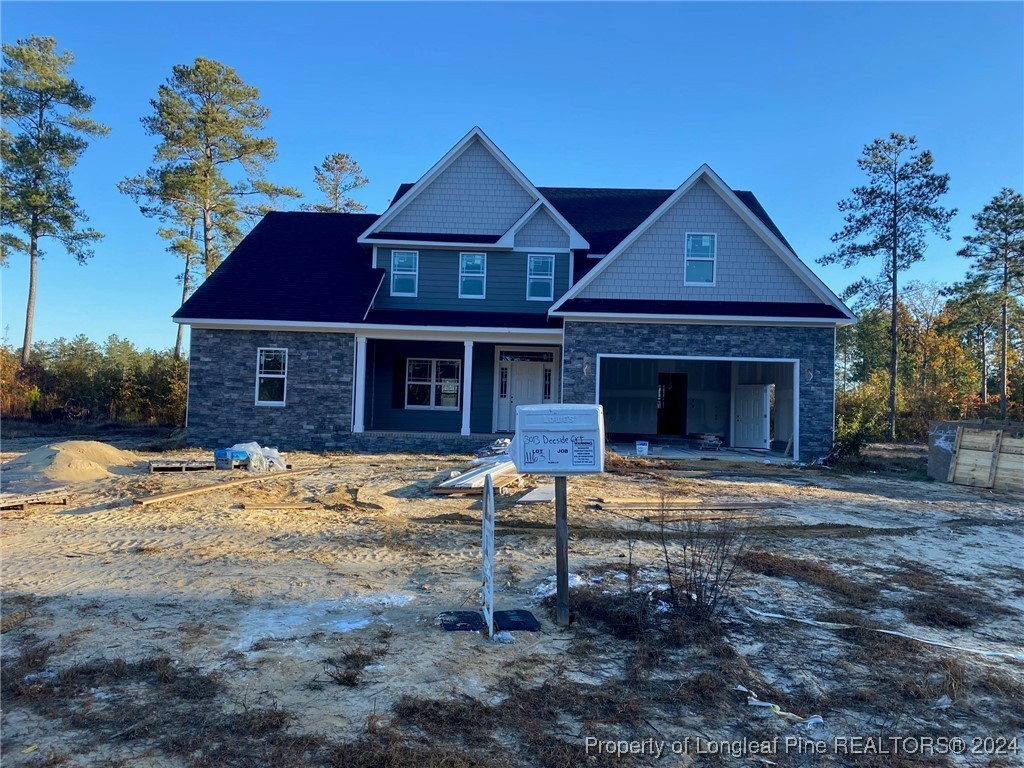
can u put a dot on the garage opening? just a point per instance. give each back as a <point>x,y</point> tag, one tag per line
<point>697,403</point>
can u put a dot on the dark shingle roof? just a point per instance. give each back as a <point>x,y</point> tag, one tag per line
<point>292,266</point>
<point>803,310</point>
<point>606,216</point>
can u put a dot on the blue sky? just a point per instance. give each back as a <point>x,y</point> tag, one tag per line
<point>777,98</point>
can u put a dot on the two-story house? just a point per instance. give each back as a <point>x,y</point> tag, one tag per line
<point>684,312</point>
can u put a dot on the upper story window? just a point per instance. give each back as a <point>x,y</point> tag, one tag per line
<point>540,278</point>
<point>700,259</point>
<point>271,375</point>
<point>405,273</point>
<point>472,275</point>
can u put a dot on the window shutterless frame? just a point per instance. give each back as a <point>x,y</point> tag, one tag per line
<point>405,273</point>
<point>540,277</point>
<point>701,263</point>
<point>472,275</point>
<point>271,376</point>
<point>431,383</point>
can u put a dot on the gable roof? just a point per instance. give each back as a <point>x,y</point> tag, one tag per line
<point>769,234</point>
<point>475,134</point>
<point>606,216</point>
<point>294,266</point>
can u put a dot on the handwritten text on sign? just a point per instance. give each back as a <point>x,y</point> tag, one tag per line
<point>559,439</point>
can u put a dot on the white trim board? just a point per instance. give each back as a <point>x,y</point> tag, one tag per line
<point>705,172</point>
<point>475,134</point>
<point>795,362</point>
<point>603,317</point>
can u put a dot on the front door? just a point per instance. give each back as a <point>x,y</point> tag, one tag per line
<point>752,403</point>
<point>523,385</point>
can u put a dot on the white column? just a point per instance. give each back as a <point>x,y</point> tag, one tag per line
<point>467,385</point>
<point>359,398</point>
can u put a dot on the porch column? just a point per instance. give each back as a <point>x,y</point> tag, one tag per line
<point>467,385</point>
<point>359,396</point>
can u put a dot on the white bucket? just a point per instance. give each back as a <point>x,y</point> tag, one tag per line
<point>641,447</point>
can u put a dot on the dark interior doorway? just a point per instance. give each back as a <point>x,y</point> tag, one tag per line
<point>672,404</point>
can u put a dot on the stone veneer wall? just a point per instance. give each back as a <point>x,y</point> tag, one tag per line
<point>814,347</point>
<point>222,390</point>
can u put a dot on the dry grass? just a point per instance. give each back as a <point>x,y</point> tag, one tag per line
<point>854,593</point>
<point>938,602</point>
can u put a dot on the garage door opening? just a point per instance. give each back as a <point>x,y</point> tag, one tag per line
<point>693,402</point>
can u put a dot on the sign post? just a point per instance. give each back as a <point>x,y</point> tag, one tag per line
<point>559,440</point>
<point>487,549</point>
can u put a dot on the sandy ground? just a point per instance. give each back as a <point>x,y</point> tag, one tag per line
<point>259,599</point>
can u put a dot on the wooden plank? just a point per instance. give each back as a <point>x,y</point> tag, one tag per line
<point>180,465</point>
<point>646,501</point>
<point>1009,472</point>
<point>956,455</point>
<point>475,477</point>
<point>979,439</point>
<point>701,506</point>
<point>542,495</point>
<point>147,500</point>
<point>282,505</point>
<point>22,500</point>
<point>995,459</point>
<point>699,515</point>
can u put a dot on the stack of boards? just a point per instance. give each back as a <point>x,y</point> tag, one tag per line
<point>499,468</point>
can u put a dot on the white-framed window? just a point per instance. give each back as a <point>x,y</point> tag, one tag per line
<point>540,277</point>
<point>700,259</point>
<point>405,273</point>
<point>271,375</point>
<point>432,384</point>
<point>472,275</point>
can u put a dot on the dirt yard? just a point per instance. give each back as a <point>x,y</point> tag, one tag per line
<point>196,632</point>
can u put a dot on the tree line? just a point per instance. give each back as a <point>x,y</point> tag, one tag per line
<point>918,351</point>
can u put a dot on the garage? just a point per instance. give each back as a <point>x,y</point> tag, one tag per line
<point>749,403</point>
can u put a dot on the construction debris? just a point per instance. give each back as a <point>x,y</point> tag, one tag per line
<point>23,500</point>
<point>180,465</point>
<point>500,469</point>
<point>147,500</point>
<point>281,505</point>
<point>542,495</point>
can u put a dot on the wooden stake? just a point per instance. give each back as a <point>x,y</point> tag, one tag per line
<point>147,500</point>
<point>561,553</point>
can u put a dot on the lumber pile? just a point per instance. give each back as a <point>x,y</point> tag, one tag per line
<point>499,468</point>
<point>988,459</point>
<point>23,500</point>
<point>179,465</point>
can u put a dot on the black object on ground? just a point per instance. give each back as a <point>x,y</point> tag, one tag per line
<point>515,621</point>
<point>460,621</point>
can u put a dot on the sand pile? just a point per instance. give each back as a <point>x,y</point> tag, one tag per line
<point>71,461</point>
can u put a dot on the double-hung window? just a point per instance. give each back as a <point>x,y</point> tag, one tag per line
<point>472,275</point>
<point>540,278</point>
<point>432,384</point>
<point>700,259</point>
<point>405,272</point>
<point>271,375</point>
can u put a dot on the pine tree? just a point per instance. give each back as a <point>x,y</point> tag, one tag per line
<point>890,217</point>
<point>45,132</point>
<point>335,177</point>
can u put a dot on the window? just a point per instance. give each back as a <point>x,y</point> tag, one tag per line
<point>432,383</point>
<point>271,375</point>
<point>540,278</point>
<point>472,275</point>
<point>405,268</point>
<point>700,260</point>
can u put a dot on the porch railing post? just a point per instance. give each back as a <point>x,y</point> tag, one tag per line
<point>467,385</point>
<point>359,398</point>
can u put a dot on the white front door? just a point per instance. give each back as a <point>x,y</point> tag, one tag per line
<point>524,385</point>
<point>752,403</point>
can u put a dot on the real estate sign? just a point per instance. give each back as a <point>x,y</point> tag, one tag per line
<point>558,439</point>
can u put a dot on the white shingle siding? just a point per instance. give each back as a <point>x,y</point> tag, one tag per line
<point>746,269</point>
<point>542,231</point>
<point>475,195</point>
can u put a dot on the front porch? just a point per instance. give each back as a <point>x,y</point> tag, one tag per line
<point>445,384</point>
